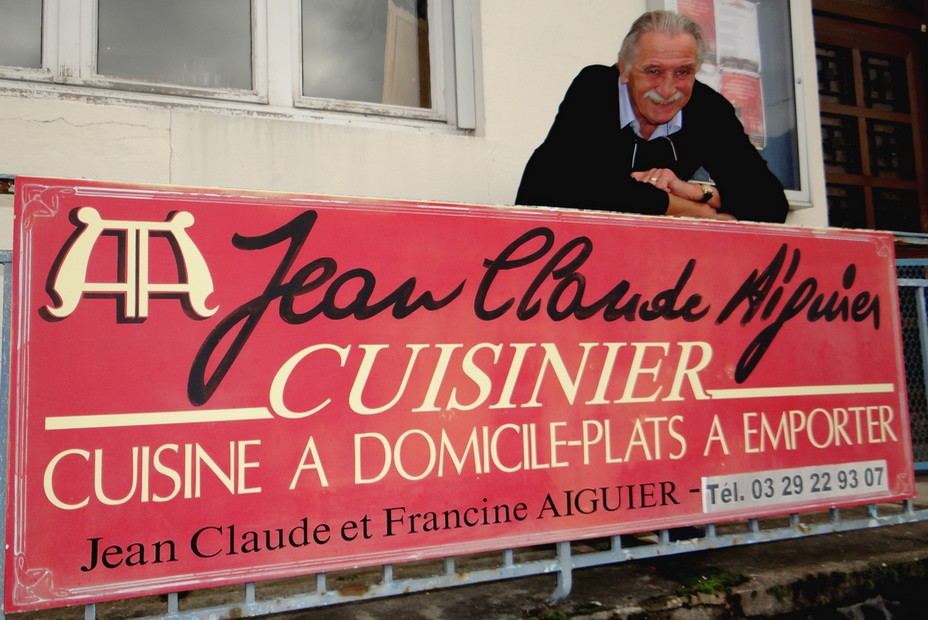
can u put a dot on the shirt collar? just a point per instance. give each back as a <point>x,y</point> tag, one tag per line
<point>627,116</point>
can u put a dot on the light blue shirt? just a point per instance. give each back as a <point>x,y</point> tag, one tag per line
<point>627,117</point>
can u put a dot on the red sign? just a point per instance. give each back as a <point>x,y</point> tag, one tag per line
<point>212,387</point>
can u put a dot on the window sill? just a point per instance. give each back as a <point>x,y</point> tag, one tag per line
<point>306,110</point>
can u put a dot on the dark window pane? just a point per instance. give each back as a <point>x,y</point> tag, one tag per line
<point>912,6</point>
<point>896,210</point>
<point>840,144</point>
<point>885,83</point>
<point>891,151</point>
<point>846,206</point>
<point>835,74</point>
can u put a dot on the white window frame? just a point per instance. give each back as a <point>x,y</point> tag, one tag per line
<point>69,48</point>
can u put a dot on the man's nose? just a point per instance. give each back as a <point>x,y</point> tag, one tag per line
<point>666,88</point>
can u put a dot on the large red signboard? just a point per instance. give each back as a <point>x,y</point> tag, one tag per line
<point>211,387</point>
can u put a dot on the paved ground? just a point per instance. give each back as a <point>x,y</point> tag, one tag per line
<point>868,573</point>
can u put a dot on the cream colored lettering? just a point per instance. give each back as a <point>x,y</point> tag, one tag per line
<point>553,359</point>
<point>360,379</point>
<point>819,428</point>
<point>283,376</point>
<point>649,370</point>
<point>314,464</point>
<point>717,435</point>
<point>636,370</point>
<point>115,477</point>
<point>49,480</point>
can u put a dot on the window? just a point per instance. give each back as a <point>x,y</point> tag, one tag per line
<point>363,50</point>
<point>204,43</point>
<point>21,33</point>
<point>400,59</point>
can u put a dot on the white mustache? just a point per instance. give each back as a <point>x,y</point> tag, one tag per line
<point>653,96</point>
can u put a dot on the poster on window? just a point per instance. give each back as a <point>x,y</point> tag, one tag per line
<point>733,64</point>
<point>744,92</point>
<point>737,34</point>
<point>210,387</point>
<point>703,12</point>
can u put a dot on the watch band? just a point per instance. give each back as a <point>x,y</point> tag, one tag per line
<point>707,192</point>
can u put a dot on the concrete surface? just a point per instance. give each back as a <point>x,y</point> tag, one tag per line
<point>872,573</point>
<point>861,574</point>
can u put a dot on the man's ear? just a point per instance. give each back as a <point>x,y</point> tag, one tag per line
<point>622,75</point>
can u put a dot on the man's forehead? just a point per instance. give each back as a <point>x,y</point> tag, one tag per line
<point>658,48</point>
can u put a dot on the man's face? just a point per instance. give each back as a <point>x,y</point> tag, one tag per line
<point>660,78</point>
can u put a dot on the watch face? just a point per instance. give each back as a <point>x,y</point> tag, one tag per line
<point>707,193</point>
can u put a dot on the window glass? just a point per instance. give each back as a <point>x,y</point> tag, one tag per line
<point>366,50</point>
<point>21,33</point>
<point>750,62</point>
<point>204,43</point>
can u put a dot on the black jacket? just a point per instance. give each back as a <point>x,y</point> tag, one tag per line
<point>586,158</point>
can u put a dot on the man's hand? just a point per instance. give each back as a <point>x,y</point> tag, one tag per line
<point>682,207</point>
<point>685,198</point>
<point>665,179</point>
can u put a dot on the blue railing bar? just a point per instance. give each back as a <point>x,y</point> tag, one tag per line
<point>922,332</point>
<point>565,576</point>
<point>508,557</point>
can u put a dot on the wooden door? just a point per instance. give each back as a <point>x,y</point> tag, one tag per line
<point>871,91</point>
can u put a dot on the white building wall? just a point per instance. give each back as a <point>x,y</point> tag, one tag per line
<point>527,51</point>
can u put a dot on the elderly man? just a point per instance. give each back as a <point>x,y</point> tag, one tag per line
<point>629,137</point>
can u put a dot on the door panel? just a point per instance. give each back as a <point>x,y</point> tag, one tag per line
<point>872,100</point>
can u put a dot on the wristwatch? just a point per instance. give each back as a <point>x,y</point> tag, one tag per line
<point>707,192</point>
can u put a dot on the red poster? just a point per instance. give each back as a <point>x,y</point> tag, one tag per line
<point>211,387</point>
<point>703,12</point>
<point>745,92</point>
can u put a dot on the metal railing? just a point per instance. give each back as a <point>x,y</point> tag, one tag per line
<point>912,277</point>
<point>560,559</point>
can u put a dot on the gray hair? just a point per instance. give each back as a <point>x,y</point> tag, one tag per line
<point>665,22</point>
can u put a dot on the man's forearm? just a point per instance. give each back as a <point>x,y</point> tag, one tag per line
<point>684,207</point>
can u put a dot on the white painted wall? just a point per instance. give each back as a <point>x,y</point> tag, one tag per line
<point>527,53</point>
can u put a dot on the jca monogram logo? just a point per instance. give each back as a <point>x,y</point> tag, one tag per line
<point>134,288</point>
